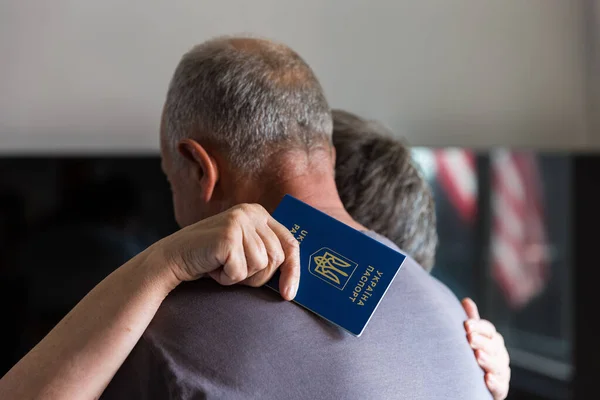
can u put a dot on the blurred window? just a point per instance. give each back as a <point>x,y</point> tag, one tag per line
<point>504,222</point>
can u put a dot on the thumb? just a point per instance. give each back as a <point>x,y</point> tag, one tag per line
<point>470,308</point>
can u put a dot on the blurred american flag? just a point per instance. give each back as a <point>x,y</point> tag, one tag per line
<point>519,256</point>
<point>457,175</point>
<point>519,243</point>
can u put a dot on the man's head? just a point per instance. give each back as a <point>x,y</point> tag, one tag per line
<point>381,187</point>
<point>234,109</point>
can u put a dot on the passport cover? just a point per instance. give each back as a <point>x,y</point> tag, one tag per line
<point>344,273</point>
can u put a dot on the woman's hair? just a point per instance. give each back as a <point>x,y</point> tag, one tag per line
<point>382,188</point>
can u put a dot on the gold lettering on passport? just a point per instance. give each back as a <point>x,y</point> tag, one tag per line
<point>331,267</point>
<point>299,234</point>
<point>365,287</point>
<point>361,283</point>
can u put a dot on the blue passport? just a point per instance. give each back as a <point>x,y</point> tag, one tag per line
<point>344,272</point>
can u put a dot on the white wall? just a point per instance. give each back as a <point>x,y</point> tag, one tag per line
<point>91,75</point>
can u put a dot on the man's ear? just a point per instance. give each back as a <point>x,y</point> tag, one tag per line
<point>204,169</point>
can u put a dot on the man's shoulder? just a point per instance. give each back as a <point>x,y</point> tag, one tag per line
<point>436,292</point>
<point>204,303</point>
<point>203,313</point>
<point>423,288</point>
<point>417,296</point>
<point>205,316</point>
<point>425,320</point>
<point>235,342</point>
<point>208,307</point>
<point>250,339</point>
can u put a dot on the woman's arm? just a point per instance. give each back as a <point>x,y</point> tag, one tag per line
<point>79,357</point>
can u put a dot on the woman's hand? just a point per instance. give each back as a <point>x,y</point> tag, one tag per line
<point>241,245</point>
<point>490,350</point>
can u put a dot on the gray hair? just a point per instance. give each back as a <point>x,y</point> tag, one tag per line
<point>382,188</point>
<point>249,97</point>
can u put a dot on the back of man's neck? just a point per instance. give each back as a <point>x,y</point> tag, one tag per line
<point>316,188</point>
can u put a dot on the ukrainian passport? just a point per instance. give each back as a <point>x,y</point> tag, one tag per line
<point>344,272</point>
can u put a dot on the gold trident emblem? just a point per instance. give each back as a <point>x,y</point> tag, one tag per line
<point>328,265</point>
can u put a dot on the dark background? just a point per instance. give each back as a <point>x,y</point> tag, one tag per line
<point>67,222</point>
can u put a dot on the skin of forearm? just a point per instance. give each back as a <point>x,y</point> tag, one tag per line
<point>79,357</point>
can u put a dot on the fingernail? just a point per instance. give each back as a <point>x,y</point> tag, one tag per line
<point>491,380</point>
<point>470,324</point>
<point>291,291</point>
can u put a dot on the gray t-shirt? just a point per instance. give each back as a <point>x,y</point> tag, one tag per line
<point>212,342</point>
